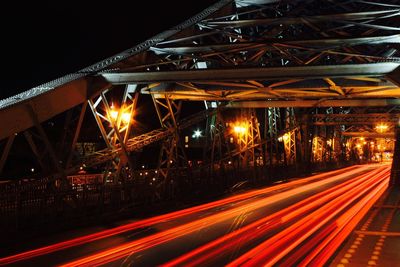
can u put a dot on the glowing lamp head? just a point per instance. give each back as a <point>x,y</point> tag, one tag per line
<point>196,134</point>
<point>382,128</point>
<point>125,117</point>
<point>239,129</point>
<point>113,114</point>
<point>285,137</point>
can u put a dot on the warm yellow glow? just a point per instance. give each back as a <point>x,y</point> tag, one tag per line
<point>125,117</point>
<point>285,137</point>
<point>113,114</point>
<point>358,146</point>
<point>240,128</point>
<point>362,138</point>
<point>382,127</point>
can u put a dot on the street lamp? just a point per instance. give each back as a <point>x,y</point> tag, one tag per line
<point>381,128</point>
<point>125,116</point>
<point>284,137</point>
<point>196,134</point>
<point>240,129</point>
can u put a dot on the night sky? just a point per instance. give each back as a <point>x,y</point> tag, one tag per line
<point>43,40</point>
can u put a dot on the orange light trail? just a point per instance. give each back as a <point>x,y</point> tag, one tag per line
<point>275,248</point>
<point>174,215</point>
<point>347,223</point>
<point>124,250</point>
<point>229,242</point>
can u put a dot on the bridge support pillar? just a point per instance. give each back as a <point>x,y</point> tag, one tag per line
<point>395,175</point>
<point>172,162</point>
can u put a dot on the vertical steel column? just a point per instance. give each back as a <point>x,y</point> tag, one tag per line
<point>289,139</point>
<point>319,144</point>
<point>273,126</point>
<point>249,141</point>
<point>172,157</point>
<point>213,152</point>
<point>256,149</point>
<point>115,125</point>
<point>318,148</point>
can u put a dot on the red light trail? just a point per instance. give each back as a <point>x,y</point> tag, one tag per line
<point>227,243</point>
<point>306,232</point>
<point>151,221</point>
<point>129,248</point>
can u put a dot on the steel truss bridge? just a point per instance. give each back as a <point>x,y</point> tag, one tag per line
<point>307,79</point>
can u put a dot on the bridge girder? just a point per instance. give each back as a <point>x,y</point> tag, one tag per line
<point>272,53</point>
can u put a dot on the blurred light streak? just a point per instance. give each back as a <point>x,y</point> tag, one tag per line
<point>275,248</point>
<point>354,216</point>
<point>169,216</point>
<point>118,252</point>
<point>227,243</point>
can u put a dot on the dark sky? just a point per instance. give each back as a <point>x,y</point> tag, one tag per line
<point>43,40</point>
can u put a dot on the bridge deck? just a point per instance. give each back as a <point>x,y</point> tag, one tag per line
<point>376,239</point>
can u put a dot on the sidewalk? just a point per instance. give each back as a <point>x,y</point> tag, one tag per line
<point>376,239</point>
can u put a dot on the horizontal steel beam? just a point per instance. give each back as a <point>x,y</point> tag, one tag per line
<point>235,74</point>
<point>212,48</point>
<point>343,17</point>
<point>15,118</point>
<point>355,119</point>
<point>315,103</point>
<point>369,134</point>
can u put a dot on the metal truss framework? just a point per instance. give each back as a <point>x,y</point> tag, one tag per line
<point>217,151</point>
<point>287,57</point>
<point>272,130</point>
<point>272,52</point>
<point>252,50</point>
<point>115,126</point>
<point>172,156</point>
<point>356,119</point>
<point>290,139</point>
<point>249,142</point>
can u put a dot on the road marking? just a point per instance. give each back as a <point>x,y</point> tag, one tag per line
<point>379,233</point>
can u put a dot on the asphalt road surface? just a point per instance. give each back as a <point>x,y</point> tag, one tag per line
<point>299,222</point>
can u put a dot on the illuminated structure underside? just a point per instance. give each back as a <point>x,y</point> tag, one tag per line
<point>321,57</point>
<point>243,50</point>
<point>287,86</point>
